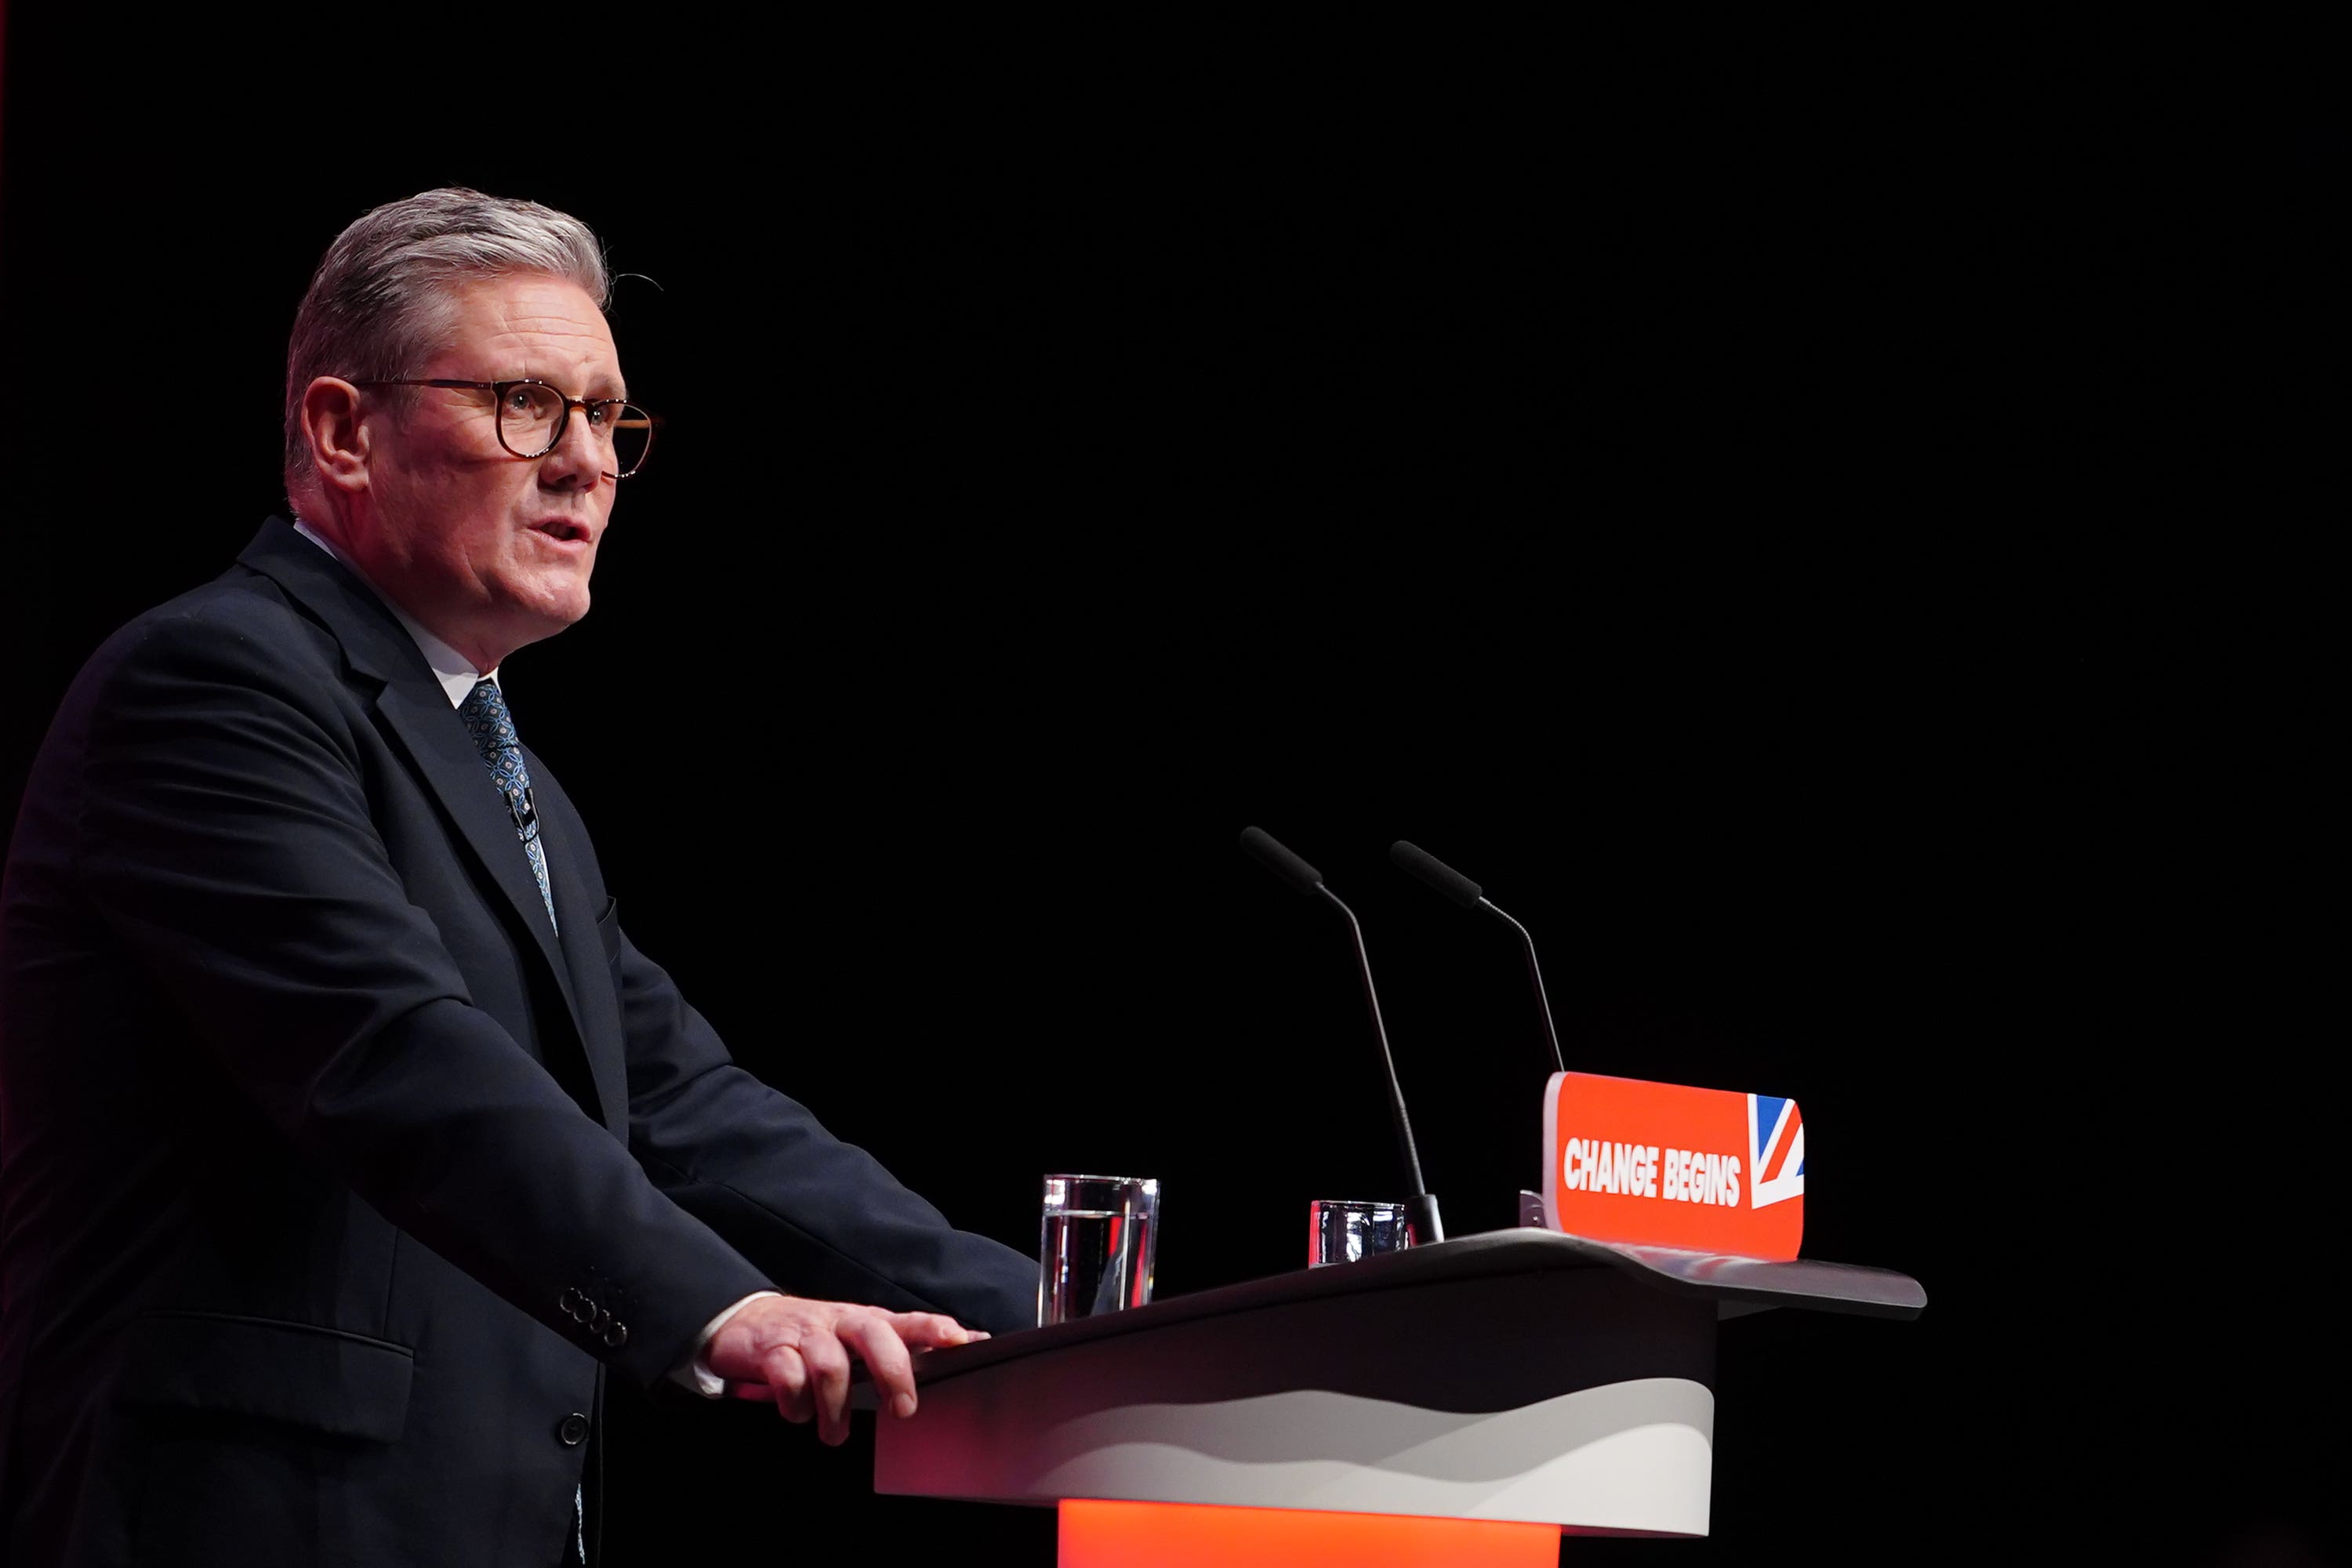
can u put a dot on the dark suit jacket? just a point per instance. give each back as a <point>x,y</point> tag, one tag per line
<point>330,1179</point>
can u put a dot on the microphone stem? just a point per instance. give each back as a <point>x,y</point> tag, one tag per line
<point>1535,973</point>
<point>1373,1000</point>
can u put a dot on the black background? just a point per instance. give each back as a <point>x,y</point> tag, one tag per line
<point>1830,531</point>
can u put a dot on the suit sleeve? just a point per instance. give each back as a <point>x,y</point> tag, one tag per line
<point>819,1217</point>
<point>224,836</point>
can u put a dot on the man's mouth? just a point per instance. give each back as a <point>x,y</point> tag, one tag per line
<point>563,530</point>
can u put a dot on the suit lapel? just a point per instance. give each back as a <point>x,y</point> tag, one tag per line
<point>420,714</point>
<point>417,711</point>
<point>584,956</point>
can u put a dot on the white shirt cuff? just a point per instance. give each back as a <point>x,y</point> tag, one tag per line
<point>695,1373</point>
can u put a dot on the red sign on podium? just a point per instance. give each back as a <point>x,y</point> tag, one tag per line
<point>1660,1164</point>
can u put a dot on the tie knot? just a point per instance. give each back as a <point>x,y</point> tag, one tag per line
<point>485,716</point>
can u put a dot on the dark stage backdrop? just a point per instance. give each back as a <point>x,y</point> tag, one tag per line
<point>1796,532</point>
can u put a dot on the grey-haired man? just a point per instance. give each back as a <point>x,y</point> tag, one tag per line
<point>347,1139</point>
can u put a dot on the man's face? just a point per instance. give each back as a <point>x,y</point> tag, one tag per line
<point>491,550</point>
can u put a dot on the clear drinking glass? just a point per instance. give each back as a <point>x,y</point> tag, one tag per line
<point>1341,1230</point>
<point>1096,1246</point>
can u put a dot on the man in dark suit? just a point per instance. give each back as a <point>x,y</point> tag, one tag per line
<point>345,1139</point>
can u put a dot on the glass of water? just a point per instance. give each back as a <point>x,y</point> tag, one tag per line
<point>1096,1247</point>
<point>1341,1230</point>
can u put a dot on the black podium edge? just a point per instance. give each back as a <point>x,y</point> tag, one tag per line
<point>1737,1286</point>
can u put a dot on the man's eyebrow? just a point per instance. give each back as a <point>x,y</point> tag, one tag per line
<point>619,392</point>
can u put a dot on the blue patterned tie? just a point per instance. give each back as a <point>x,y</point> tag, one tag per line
<point>492,727</point>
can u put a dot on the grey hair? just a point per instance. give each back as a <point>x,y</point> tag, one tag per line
<point>383,298</point>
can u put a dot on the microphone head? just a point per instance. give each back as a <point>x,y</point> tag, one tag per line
<point>1262,847</point>
<point>1439,875</point>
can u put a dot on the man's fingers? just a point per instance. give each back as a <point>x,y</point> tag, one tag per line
<point>799,1353</point>
<point>788,1381</point>
<point>886,1357</point>
<point>932,1331</point>
<point>828,1369</point>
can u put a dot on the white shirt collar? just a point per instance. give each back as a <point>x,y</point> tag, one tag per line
<point>452,669</point>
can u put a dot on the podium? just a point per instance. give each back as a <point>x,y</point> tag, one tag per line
<point>1460,1403</point>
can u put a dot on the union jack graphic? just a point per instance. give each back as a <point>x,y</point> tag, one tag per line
<point>1776,1151</point>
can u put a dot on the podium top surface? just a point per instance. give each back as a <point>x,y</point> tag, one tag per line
<point>1737,1285</point>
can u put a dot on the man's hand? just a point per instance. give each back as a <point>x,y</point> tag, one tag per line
<point>796,1351</point>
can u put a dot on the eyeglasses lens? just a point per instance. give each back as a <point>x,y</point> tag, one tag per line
<point>527,419</point>
<point>630,431</point>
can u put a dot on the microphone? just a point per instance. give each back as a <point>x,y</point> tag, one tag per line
<point>1420,1217</point>
<point>1451,884</point>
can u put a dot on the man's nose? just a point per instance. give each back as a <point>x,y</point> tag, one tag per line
<point>576,461</point>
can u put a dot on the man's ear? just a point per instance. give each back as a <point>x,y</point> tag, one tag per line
<point>337,438</point>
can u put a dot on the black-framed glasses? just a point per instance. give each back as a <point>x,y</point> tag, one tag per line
<point>532,415</point>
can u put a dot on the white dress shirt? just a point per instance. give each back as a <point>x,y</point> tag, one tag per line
<point>457,674</point>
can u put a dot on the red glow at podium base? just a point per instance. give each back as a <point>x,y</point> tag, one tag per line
<point>1184,1535</point>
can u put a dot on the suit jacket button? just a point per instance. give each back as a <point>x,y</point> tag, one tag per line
<point>617,1335</point>
<point>572,1430</point>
